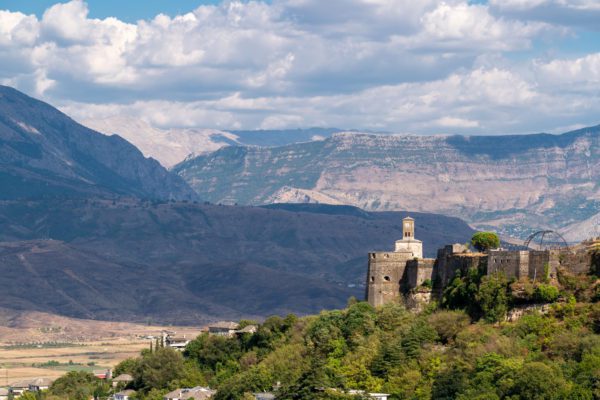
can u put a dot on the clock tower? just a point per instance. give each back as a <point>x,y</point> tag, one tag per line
<point>408,241</point>
<point>408,228</point>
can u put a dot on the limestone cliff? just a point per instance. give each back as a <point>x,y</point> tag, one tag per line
<point>515,183</point>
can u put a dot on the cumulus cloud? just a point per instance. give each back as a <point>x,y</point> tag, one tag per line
<point>419,66</point>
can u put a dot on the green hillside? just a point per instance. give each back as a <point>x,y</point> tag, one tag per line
<point>463,348</point>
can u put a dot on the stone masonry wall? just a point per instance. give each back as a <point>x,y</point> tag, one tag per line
<point>386,272</point>
<point>576,262</point>
<point>514,264</point>
<point>451,259</point>
<point>417,271</point>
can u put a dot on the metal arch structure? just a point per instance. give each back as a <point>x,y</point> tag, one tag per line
<point>542,235</point>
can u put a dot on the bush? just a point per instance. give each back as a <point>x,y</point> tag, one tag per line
<point>484,241</point>
<point>448,324</point>
<point>546,293</point>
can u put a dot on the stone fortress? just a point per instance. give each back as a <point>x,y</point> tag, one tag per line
<point>405,274</point>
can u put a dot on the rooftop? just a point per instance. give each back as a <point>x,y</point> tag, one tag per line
<point>224,325</point>
<point>123,378</point>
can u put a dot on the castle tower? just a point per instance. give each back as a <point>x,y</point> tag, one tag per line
<point>408,228</point>
<point>408,241</point>
<point>386,273</point>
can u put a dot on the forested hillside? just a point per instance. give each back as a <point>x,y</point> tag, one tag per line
<point>463,348</point>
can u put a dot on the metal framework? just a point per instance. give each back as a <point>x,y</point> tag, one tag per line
<point>544,245</point>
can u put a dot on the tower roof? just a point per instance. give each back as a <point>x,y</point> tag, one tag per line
<point>408,218</point>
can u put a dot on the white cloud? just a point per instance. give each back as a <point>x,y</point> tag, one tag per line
<point>453,122</point>
<point>583,70</point>
<point>377,64</point>
<point>466,26</point>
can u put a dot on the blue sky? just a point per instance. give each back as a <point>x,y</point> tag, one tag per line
<point>129,11</point>
<point>428,66</point>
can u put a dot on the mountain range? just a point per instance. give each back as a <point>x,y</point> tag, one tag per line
<point>514,184</point>
<point>91,228</point>
<point>44,153</point>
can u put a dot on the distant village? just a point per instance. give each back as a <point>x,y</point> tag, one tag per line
<point>169,339</point>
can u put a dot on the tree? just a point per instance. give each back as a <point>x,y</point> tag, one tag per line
<point>448,324</point>
<point>492,297</point>
<point>484,241</point>
<point>538,381</point>
<point>78,385</point>
<point>214,352</point>
<point>126,366</point>
<point>159,370</point>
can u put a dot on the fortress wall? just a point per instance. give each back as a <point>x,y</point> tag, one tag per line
<point>514,264</point>
<point>578,262</point>
<point>537,264</point>
<point>386,273</point>
<point>451,259</point>
<point>417,271</point>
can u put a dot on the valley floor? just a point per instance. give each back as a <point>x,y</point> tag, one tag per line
<point>40,345</point>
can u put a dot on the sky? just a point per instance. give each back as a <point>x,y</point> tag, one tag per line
<point>405,66</point>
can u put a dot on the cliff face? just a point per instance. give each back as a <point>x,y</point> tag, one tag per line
<point>515,183</point>
<point>45,153</point>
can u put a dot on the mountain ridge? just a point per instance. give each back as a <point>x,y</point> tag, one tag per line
<point>43,152</point>
<point>512,183</point>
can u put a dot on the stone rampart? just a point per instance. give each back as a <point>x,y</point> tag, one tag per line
<point>385,276</point>
<point>418,271</point>
<point>513,264</point>
<point>453,258</point>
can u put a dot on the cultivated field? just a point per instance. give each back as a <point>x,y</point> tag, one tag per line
<point>36,345</point>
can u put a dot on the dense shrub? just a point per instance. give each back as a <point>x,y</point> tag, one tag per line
<point>546,293</point>
<point>484,241</point>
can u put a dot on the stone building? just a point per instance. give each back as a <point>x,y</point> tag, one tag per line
<point>390,273</point>
<point>404,273</point>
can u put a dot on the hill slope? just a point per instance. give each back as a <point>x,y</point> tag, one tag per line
<point>178,262</point>
<point>515,183</point>
<point>45,153</point>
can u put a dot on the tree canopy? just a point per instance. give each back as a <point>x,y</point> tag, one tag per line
<point>483,241</point>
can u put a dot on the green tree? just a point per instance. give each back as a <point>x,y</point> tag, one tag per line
<point>492,297</point>
<point>538,381</point>
<point>126,366</point>
<point>162,369</point>
<point>78,385</point>
<point>448,323</point>
<point>211,352</point>
<point>484,241</point>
